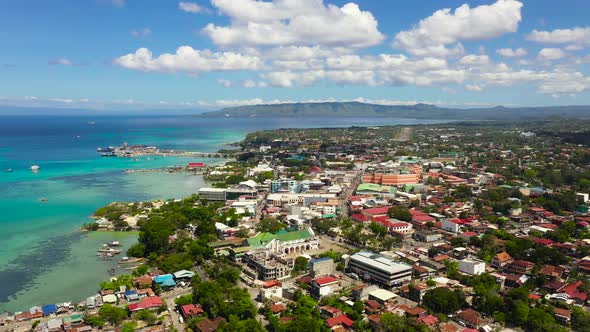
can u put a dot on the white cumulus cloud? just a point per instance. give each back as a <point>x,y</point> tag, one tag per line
<point>191,7</point>
<point>188,60</point>
<point>549,54</point>
<point>434,34</point>
<point>512,53</point>
<point>578,37</point>
<point>289,22</point>
<point>61,62</point>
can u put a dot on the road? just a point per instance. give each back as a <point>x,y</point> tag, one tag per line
<point>169,298</point>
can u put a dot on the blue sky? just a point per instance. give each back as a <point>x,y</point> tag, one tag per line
<point>162,54</point>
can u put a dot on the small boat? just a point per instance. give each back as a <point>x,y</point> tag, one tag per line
<point>9,170</point>
<point>35,168</point>
<point>43,199</point>
<point>91,122</point>
<point>114,243</point>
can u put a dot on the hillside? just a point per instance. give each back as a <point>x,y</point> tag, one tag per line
<point>418,111</point>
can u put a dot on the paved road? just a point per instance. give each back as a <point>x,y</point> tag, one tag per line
<point>169,298</point>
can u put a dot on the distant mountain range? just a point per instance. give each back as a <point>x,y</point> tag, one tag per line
<point>418,111</point>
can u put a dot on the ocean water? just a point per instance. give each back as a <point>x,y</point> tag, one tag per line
<point>43,257</point>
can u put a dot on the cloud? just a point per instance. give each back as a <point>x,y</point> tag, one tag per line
<point>118,3</point>
<point>433,34</point>
<point>579,37</point>
<point>140,32</point>
<point>225,83</point>
<point>549,54</point>
<point>302,22</point>
<point>473,87</point>
<point>61,62</point>
<point>188,60</point>
<point>191,7</point>
<point>510,53</point>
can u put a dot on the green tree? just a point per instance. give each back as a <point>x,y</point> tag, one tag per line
<point>443,300</point>
<point>94,321</point>
<point>270,225</point>
<point>400,213</point>
<point>112,314</point>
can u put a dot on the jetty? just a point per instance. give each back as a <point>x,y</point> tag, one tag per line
<point>139,150</point>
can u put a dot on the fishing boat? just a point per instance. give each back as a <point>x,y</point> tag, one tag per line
<point>43,199</point>
<point>127,260</point>
<point>132,267</point>
<point>35,168</point>
<point>114,243</point>
<point>9,170</point>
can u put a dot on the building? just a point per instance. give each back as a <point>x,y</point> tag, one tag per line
<point>520,267</point>
<point>153,302</point>
<point>397,227</point>
<point>208,325</point>
<point>501,259</point>
<point>212,194</point>
<point>323,286</point>
<point>471,318</point>
<point>268,266</point>
<point>472,266</point>
<point>286,242</point>
<point>321,267</point>
<point>427,237</point>
<point>379,269</point>
<point>381,296</point>
<point>283,185</point>
<point>450,226</point>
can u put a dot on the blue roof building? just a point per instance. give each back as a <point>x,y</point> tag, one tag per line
<point>165,280</point>
<point>49,309</point>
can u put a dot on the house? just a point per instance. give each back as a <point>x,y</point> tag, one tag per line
<point>573,292</point>
<point>278,308</point>
<point>471,318</point>
<point>520,267</point>
<point>501,259</point>
<point>329,312</point>
<point>153,302</point>
<point>71,322</point>
<point>564,316</point>
<point>323,286</point>
<point>472,266</point>
<point>428,320</point>
<point>341,320</point>
<point>208,325</point>
<point>190,310</point>
<point>49,309</point>
<point>165,281</point>
<point>381,296</point>
<point>183,275</point>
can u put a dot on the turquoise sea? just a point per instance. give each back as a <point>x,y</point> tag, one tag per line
<point>43,257</point>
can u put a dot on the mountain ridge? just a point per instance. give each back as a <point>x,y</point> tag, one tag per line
<point>416,111</point>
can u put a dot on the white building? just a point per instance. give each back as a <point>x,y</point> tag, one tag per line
<point>260,168</point>
<point>379,269</point>
<point>450,226</point>
<point>472,266</point>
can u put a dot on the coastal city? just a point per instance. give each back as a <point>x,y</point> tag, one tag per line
<point>455,227</point>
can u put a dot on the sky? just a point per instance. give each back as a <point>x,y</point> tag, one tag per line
<point>164,54</point>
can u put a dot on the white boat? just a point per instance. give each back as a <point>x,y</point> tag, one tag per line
<point>9,170</point>
<point>43,199</point>
<point>35,168</point>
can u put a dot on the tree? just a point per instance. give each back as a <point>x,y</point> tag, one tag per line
<point>94,321</point>
<point>147,316</point>
<point>400,213</point>
<point>300,264</point>
<point>112,314</point>
<point>443,300</point>
<point>129,326</point>
<point>270,225</point>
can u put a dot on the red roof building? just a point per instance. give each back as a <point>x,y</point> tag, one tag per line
<point>146,303</point>
<point>191,310</point>
<point>342,320</point>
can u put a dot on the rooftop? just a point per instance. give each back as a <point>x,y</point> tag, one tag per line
<point>380,262</point>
